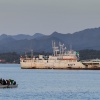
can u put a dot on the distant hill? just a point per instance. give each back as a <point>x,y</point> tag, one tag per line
<point>85,39</point>
<point>22,36</point>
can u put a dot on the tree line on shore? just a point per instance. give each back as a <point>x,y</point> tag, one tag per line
<point>89,54</point>
<point>13,57</point>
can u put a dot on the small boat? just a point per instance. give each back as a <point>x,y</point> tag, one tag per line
<point>9,86</point>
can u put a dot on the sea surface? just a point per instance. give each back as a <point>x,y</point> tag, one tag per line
<point>37,84</point>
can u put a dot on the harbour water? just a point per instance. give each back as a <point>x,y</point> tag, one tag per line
<point>37,84</point>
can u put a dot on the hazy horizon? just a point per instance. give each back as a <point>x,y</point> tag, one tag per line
<point>48,16</point>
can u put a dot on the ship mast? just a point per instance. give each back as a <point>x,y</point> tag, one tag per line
<point>62,48</point>
<point>25,55</point>
<point>31,53</point>
<point>55,48</point>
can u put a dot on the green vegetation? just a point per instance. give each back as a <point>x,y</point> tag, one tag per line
<point>89,54</point>
<point>13,57</point>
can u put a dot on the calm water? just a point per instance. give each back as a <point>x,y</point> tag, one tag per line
<point>50,84</point>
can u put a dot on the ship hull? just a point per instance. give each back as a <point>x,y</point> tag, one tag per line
<point>9,86</point>
<point>57,64</point>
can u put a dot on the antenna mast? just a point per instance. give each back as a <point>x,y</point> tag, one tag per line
<point>55,48</point>
<point>31,53</point>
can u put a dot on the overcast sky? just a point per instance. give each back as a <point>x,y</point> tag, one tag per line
<point>47,16</point>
